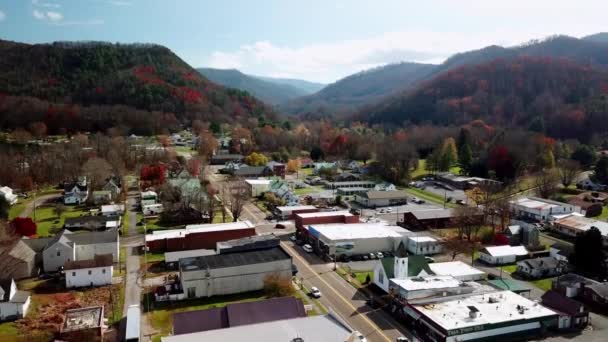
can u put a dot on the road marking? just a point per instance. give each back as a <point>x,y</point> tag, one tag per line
<point>349,304</point>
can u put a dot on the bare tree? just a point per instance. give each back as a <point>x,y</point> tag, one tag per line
<point>97,171</point>
<point>546,183</point>
<point>467,221</point>
<point>234,195</point>
<point>59,209</point>
<point>568,169</point>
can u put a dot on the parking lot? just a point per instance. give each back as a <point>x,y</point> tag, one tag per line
<point>442,189</point>
<point>394,213</point>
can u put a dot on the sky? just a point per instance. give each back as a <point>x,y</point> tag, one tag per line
<point>316,40</point>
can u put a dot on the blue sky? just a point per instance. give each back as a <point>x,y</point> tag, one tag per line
<point>315,40</point>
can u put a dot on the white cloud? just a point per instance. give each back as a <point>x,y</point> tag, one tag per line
<point>120,3</point>
<point>45,4</point>
<point>54,16</point>
<point>2,16</point>
<point>90,22</point>
<point>50,16</point>
<point>39,15</point>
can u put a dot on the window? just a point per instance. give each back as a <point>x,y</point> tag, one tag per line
<point>58,253</point>
<point>90,272</point>
<point>103,271</point>
<point>381,277</point>
<point>73,274</point>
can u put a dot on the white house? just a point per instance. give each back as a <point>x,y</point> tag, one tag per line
<point>67,246</point>
<point>152,209</point>
<point>540,209</point>
<point>112,209</point>
<point>423,245</point>
<point>258,186</point>
<point>8,195</point>
<point>401,266</point>
<point>148,197</point>
<point>13,302</point>
<point>91,272</point>
<point>500,255</point>
<point>384,186</point>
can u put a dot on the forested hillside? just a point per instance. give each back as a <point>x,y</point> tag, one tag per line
<point>269,92</point>
<point>76,86</point>
<point>367,86</point>
<point>555,96</point>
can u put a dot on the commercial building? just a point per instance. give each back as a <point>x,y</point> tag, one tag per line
<point>238,314</point>
<point>500,255</point>
<point>302,220</point>
<point>198,236</point>
<point>232,273</point>
<point>350,185</point>
<point>431,219</point>
<point>288,212</point>
<point>83,324</point>
<point>172,258</point>
<point>457,269</point>
<point>374,198</point>
<point>498,315</point>
<point>572,314</point>
<point>465,183</point>
<point>247,244</point>
<point>316,328</point>
<point>411,288</point>
<point>354,239</point>
<point>572,225</point>
<point>423,245</point>
<point>258,186</point>
<point>540,209</point>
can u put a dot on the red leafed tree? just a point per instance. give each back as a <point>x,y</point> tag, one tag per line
<point>502,163</point>
<point>153,175</point>
<point>194,167</point>
<point>24,226</point>
<point>501,240</point>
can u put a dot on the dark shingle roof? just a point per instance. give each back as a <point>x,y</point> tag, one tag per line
<point>233,259</point>
<point>82,220</point>
<point>255,242</point>
<point>542,263</point>
<point>561,303</point>
<point>102,260</point>
<point>5,284</point>
<point>90,238</point>
<point>385,194</point>
<point>600,289</point>
<point>251,170</point>
<point>237,314</point>
<point>564,249</point>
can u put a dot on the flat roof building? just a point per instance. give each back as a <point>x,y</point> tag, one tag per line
<point>288,212</point>
<point>323,217</point>
<point>540,209</point>
<point>423,245</point>
<point>83,324</point>
<point>375,198</point>
<point>572,225</point>
<point>431,219</point>
<point>499,255</point>
<point>458,270</point>
<point>482,316</point>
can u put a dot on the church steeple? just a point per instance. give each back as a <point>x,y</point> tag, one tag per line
<point>401,262</point>
<point>401,251</point>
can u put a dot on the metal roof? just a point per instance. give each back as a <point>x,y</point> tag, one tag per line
<point>233,259</point>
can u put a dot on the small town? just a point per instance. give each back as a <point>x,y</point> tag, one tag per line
<point>320,171</point>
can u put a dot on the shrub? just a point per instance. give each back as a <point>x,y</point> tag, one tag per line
<point>277,286</point>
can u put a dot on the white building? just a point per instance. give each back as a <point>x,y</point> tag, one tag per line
<point>423,245</point>
<point>458,270</point>
<point>67,246</point>
<point>427,286</point>
<point>497,315</point>
<point>92,272</point>
<point>355,238</point>
<point>500,255</point>
<point>574,224</point>
<point>148,197</point>
<point>13,302</point>
<point>152,209</point>
<point>258,186</point>
<point>112,209</point>
<point>540,209</point>
<point>8,195</point>
<point>286,212</point>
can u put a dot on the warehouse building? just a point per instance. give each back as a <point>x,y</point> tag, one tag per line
<point>431,219</point>
<point>231,273</point>
<point>354,239</point>
<point>423,245</point>
<point>458,270</point>
<point>497,315</point>
<point>197,236</point>
<point>258,186</point>
<point>540,209</point>
<point>500,255</point>
<point>288,212</point>
<point>302,220</point>
<point>375,199</point>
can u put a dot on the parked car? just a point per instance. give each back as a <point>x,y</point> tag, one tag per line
<point>401,339</point>
<point>292,238</point>
<point>359,337</point>
<point>429,259</point>
<point>380,255</point>
<point>315,292</point>
<point>365,257</point>
<point>279,226</point>
<point>294,269</point>
<point>307,248</point>
<point>418,200</point>
<point>372,256</point>
<point>269,218</point>
<point>460,202</point>
<point>389,210</point>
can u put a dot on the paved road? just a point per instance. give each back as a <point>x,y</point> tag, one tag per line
<point>343,299</point>
<point>133,242</point>
<point>29,208</point>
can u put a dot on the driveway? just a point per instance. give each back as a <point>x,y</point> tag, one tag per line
<point>133,242</point>
<point>41,200</point>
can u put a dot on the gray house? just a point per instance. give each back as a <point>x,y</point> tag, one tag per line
<point>67,246</point>
<point>540,267</point>
<point>225,274</point>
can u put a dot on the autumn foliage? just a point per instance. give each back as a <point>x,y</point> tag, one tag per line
<point>153,175</point>
<point>24,226</point>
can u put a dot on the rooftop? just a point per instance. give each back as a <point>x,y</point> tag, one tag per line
<point>537,203</point>
<point>175,256</point>
<point>427,282</point>
<point>375,194</point>
<point>233,259</point>
<point>454,269</point>
<point>499,251</point>
<point>317,328</point>
<point>248,243</point>
<point>258,181</point>
<point>296,207</point>
<point>83,318</point>
<point>422,239</point>
<point>355,231</point>
<point>583,223</point>
<point>542,263</point>
<point>324,214</point>
<point>103,260</point>
<point>510,285</point>
<point>432,214</point>
<point>112,208</point>
<point>198,228</point>
<point>493,308</point>
<point>573,279</point>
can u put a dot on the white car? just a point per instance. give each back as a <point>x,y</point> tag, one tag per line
<point>380,255</point>
<point>315,292</point>
<point>307,248</point>
<point>359,337</point>
<point>292,238</point>
<point>389,210</point>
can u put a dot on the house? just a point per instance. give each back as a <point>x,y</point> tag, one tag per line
<point>346,177</point>
<point>91,272</point>
<point>374,199</point>
<point>148,197</point>
<point>588,199</point>
<point>401,266</point>
<point>67,246</point>
<point>384,186</point>
<point>232,273</point>
<point>596,295</point>
<point>540,209</point>
<point>113,210</point>
<point>353,165</point>
<point>102,197</point>
<point>540,267</point>
<point>18,259</point>
<point>572,314</point>
<point>500,255</point>
<point>572,225</point>
<point>75,193</point>
<point>561,251</point>
<point>83,324</point>
<point>8,195</point>
<point>306,163</point>
<point>257,187</point>
<point>318,328</point>
<point>14,303</point>
<point>152,209</point>
<point>92,222</point>
<point>571,285</point>
<point>222,159</point>
<point>588,184</point>
<point>423,245</point>
<point>114,186</point>
<point>278,169</point>
<point>513,233</point>
<point>252,171</point>
<point>238,314</point>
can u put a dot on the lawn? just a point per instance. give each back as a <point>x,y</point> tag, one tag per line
<point>46,219</point>
<point>120,270</point>
<point>543,284</point>
<point>604,215</point>
<point>160,315</point>
<point>362,276</point>
<point>154,257</point>
<point>307,190</point>
<point>154,224</point>
<point>18,208</point>
<point>422,171</point>
<point>125,223</point>
<point>509,268</point>
<point>429,196</point>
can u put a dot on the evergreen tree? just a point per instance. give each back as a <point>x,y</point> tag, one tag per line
<point>600,172</point>
<point>449,154</point>
<point>465,158</point>
<point>588,257</point>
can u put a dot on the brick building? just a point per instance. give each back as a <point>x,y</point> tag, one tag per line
<point>302,220</point>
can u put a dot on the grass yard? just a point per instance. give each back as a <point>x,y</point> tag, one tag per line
<point>122,266</point>
<point>153,224</point>
<point>154,257</point>
<point>543,284</point>
<point>18,208</point>
<point>604,215</point>
<point>125,223</point>
<point>509,268</point>
<point>160,315</point>
<point>308,190</point>
<point>47,220</point>
<point>362,276</point>
<point>422,171</point>
<point>429,196</point>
